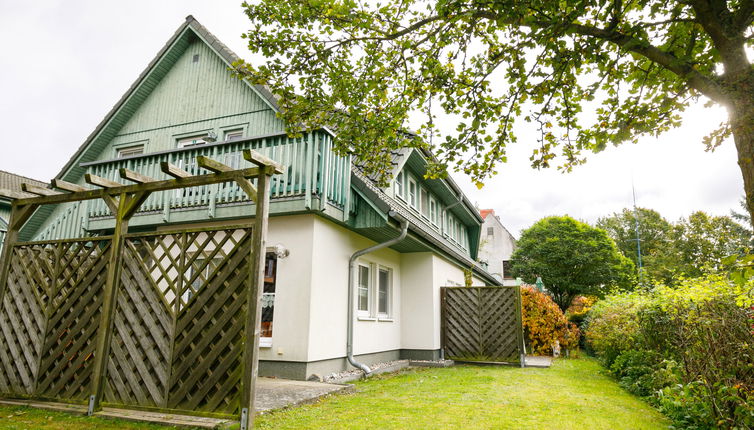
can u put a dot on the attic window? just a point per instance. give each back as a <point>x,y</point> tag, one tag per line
<point>130,151</point>
<point>191,141</point>
<point>195,59</point>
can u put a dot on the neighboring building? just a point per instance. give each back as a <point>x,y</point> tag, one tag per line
<point>322,210</point>
<point>9,181</point>
<point>496,245</point>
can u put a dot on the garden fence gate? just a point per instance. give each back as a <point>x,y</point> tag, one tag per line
<point>166,321</point>
<point>482,324</point>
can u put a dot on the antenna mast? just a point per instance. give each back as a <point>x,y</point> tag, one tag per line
<point>638,241</point>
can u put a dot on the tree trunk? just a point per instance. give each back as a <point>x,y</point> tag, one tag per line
<point>741,114</point>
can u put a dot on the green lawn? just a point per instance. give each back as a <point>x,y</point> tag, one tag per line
<point>573,394</point>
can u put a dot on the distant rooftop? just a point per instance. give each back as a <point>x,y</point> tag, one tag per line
<point>11,181</point>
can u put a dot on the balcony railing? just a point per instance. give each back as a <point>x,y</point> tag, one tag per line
<point>313,170</point>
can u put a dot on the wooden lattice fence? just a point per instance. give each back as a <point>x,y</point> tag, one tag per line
<point>482,324</point>
<point>178,322</point>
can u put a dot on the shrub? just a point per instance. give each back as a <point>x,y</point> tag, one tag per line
<point>544,323</point>
<point>690,349</point>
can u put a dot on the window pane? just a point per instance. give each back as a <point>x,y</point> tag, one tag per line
<point>383,292</point>
<point>412,193</point>
<point>130,151</point>
<point>363,288</point>
<point>399,189</point>
<point>490,231</point>
<point>233,135</point>
<point>425,203</point>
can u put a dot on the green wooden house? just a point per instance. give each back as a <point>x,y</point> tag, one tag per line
<point>322,210</point>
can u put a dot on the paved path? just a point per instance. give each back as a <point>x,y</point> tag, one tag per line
<point>273,393</point>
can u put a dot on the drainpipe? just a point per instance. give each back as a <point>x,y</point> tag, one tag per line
<point>351,265</point>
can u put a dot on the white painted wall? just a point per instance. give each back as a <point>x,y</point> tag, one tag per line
<point>290,325</point>
<point>333,246</point>
<point>496,247</point>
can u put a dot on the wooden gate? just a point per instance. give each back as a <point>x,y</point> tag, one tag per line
<point>482,324</point>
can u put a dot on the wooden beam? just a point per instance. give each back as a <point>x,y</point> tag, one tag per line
<point>110,295</point>
<point>12,195</point>
<point>133,204</point>
<point>173,171</point>
<point>67,186</point>
<point>132,176</point>
<point>112,203</point>
<point>212,165</point>
<point>169,184</point>
<point>23,214</point>
<point>254,290</point>
<point>40,191</point>
<point>100,181</point>
<point>262,161</point>
<point>248,188</point>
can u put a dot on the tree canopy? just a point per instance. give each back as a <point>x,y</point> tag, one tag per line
<point>687,248</point>
<point>584,73</point>
<point>573,258</point>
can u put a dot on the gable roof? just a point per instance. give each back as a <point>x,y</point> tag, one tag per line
<point>148,80</point>
<point>485,212</point>
<point>11,181</point>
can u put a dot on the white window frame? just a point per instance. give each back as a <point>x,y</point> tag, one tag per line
<point>233,134</point>
<point>386,313</point>
<point>400,186</point>
<point>370,290</point>
<point>185,142</point>
<point>123,151</point>
<point>422,209</point>
<point>433,210</point>
<point>413,199</point>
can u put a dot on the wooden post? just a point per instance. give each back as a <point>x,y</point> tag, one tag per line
<point>253,299</point>
<point>18,217</point>
<point>520,328</point>
<point>105,330</point>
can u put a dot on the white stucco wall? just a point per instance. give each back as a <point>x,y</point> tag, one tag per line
<point>495,248</point>
<point>333,246</point>
<point>290,326</point>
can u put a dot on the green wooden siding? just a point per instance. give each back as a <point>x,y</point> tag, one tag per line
<point>195,97</point>
<point>314,174</point>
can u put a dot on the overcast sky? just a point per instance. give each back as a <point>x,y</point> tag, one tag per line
<point>66,63</point>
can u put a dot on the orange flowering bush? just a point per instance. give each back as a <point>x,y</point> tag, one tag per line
<point>544,323</point>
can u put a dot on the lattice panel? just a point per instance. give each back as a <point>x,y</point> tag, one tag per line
<point>138,365</point>
<point>22,316</point>
<point>160,262</point>
<point>73,318</point>
<point>499,323</point>
<point>206,365</point>
<point>481,324</point>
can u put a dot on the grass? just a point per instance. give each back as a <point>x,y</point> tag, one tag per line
<point>573,394</point>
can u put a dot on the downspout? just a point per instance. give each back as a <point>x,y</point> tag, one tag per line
<point>351,265</point>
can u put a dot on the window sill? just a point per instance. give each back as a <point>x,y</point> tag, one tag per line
<point>365,318</point>
<point>385,319</point>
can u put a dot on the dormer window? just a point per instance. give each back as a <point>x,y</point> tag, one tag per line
<point>232,135</point>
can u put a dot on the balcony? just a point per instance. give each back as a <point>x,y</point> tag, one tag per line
<point>315,177</point>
